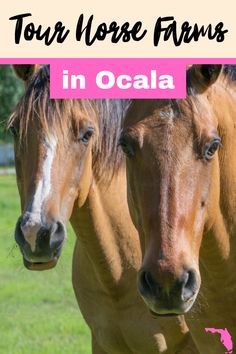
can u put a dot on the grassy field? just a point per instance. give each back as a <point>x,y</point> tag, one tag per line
<point>38,310</point>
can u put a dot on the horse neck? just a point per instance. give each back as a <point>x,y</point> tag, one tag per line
<point>226,114</point>
<point>223,101</point>
<point>106,234</point>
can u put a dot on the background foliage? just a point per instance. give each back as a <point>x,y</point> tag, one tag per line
<point>11,90</point>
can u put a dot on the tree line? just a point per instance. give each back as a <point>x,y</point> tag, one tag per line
<point>11,90</point>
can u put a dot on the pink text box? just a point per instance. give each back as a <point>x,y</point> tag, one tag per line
<point>90,68</point>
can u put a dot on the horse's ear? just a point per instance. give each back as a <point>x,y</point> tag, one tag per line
<point>203,76</point>
<point>25,72</point>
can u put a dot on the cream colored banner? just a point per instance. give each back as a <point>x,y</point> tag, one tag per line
<point>48,13</point>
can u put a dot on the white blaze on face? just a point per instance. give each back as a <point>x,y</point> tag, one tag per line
<point>42,192</point>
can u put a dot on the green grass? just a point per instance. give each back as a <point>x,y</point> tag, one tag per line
<point>38,310</point>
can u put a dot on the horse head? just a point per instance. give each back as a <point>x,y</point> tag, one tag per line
<point>53,143</point>
<point>173,188</point>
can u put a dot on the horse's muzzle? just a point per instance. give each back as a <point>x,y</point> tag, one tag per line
<point>40,244</point>
<point>176,300</point>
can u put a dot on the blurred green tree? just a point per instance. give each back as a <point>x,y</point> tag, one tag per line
<point>11,90</point>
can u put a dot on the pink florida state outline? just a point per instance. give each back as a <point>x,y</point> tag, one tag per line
<point>225,338</point>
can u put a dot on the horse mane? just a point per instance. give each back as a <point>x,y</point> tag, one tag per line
<point>53,115</point>
<point>107,153</point>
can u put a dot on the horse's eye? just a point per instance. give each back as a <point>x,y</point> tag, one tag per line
<point>85,137</point>
<point>126,146</point>
<point>211,148</point>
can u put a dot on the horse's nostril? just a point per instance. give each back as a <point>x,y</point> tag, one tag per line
<point>146,284</point>
<point>60,227</point>
<point>56,227</point>
<point>44,232</point>
<point>43,238</point>
<point>19,236</point>
<point>191,279</point>
<point>57,236</point>
<point>189,285</point>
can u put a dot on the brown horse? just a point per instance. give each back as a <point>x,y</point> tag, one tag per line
<point>181,170</point>
<point>69,167</point>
